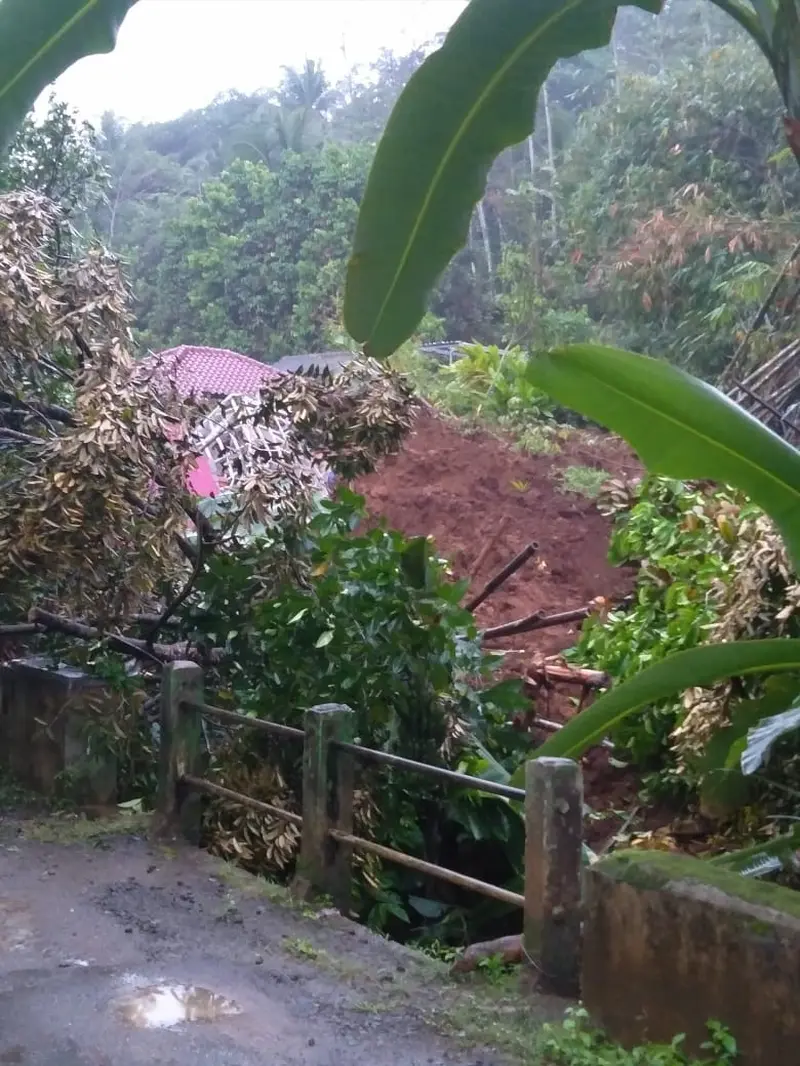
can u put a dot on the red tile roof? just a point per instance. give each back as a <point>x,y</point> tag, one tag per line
<point>208,371</point>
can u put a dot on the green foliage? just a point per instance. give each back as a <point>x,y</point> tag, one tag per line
<point>678,425</point>
<point>255,261</point>
<point>379,627</point>
<point>492,384</point>
<point>584,480</point>
<point>575,1042</point>
<point>466,103</point>
<point>671,535</point>
<point>682,428</point>
<point>698,667</point>
<point>373,619</point>
<point>532,318</point>
<point>58,157</point>
<point>39,39</point>
<point>672,212</point>
<point>490,388</point>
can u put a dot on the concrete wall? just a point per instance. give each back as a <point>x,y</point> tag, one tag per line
<point>43,713</point>
<point>671,942</point>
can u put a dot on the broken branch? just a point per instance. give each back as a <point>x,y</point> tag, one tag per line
<point>490,543</point>
<point>158,653</point>
<point>556,673</point>
<point>502,576</point>
<point>49,411</point>
<point>537,620</point>
<point>19,629</point>
<point>508,949</point>
<point>185,592</point>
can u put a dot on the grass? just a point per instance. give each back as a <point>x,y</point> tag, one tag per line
<point>300,948</point>
<point>576,1042</point>
<point>76,829</point>
<point>14,796</point>
<point>583,480</point>
<point>538,440</point>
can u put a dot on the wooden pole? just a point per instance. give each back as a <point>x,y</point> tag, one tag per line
<point>502,576</point>
<point>324,864</point>
<point>553,872</point>
<point>483,554</point>
<point>181,740</point>
<point>537,620</point>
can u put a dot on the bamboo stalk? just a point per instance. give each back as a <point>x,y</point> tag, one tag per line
<point>502,576</point>
<point>429,868</point>
<point>537,620</point>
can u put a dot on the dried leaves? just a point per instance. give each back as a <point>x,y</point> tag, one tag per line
<point>759,600</point>
<point>94,496</point>
<point>349,421</point>
<point>94,457</point>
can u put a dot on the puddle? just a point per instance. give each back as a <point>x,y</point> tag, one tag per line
<point>165,1006</point>
<point>15,925</point>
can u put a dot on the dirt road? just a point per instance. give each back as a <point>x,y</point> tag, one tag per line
<point>117,951</point>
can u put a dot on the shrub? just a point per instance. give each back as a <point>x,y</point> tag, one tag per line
<point>584,480</point>
<point>371,619</point>
<point>577,1043</point>
<point>676,535</point>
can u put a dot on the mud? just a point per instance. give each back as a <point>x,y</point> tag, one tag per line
<point>95,937</point>
<point>457,488</point>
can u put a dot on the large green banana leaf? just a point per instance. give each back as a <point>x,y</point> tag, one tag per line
<point>680,426</point>
<point>467,102</point>
<point>40,39</point>
<point>696,667</point>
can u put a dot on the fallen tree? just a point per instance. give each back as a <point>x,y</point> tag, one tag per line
<point>96,520</point>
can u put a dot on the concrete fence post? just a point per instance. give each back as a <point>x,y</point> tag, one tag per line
<point>324,865</point>
<point>553,872</point>
<point>181,741</point>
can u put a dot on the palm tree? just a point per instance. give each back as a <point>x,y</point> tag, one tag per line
<point>307,89</point>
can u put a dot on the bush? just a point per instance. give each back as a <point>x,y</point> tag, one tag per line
<point>371,619</point>
<point>576,1043</point>
<point>677,536</point>
<point>584,480</point>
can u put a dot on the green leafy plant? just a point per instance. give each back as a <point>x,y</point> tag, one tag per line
<point>583,480</point>
<point>433,160</point>
<point>39,39</point>
<point>410,224</point>
<point>680,426</point>
<point>373,619</point>
<point>575,1042</point>
<point>670,533</point>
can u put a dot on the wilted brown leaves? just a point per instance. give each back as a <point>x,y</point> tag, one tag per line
<point>94,495</point>
<point>94,456</point>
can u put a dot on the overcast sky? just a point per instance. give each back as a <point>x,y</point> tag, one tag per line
<point>174,55</point>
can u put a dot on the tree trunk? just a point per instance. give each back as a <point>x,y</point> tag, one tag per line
<point>487,246</point>
<point>551,154</point>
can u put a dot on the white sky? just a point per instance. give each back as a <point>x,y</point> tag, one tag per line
<point>175,55</point>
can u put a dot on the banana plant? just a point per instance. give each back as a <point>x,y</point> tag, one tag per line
<point>40,39</point>
<point>469,101</point>
<point>466,103</point>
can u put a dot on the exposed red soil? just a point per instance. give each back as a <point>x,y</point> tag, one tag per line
<point>458,487</point>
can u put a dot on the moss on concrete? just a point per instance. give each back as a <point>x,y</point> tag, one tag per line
<point>656,869</point>
<point>73,829</point>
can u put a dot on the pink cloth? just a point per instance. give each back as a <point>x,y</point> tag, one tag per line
<point>201,480</point>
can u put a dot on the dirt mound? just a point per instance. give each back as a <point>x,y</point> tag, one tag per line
<point>460,489</point>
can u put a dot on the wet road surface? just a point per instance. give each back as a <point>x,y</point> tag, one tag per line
<point>122,952</point>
